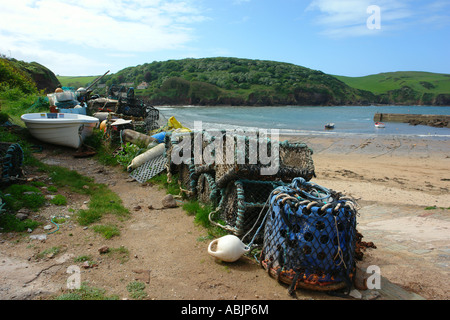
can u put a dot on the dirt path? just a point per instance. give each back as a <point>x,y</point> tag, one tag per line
<point>166,249</point>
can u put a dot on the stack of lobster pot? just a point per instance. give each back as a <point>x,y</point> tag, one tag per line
<point>236,173</point>
<point>310,237</point>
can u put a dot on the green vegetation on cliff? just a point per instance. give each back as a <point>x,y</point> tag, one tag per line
<point>22,86</point>
<point>233,81</point>
<point>12,76</point>
<point>32,74</point>
<point>405,87</point>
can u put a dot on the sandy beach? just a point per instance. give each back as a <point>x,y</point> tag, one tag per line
<point>402,186</point>
<point>390,170</point>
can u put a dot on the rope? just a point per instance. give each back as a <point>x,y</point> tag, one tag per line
<point>57,225</point>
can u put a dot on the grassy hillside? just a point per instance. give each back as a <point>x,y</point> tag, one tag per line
<point>384,82</point>
<point>233,81</point>
<point>225,81</point>
<point>43,77</point>
<point>18,89</point>
<point>405,87</point>
<point>76,82</point>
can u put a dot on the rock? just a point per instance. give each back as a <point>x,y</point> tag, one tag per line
<point>371,295</point>
<point>142,275</point>
<point>137,208</point>
<point>150,207</point>
<point>355,294</point>
<point>48,227</point>
<point>24,211</point>
<point>169,202</point>
<point>103,249</point>
<point>21,216</point>
<point>41,237</point>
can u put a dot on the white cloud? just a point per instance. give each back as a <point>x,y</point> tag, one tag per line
<point>349,17</point>
<point>115,25</point>
<point>118,26</point>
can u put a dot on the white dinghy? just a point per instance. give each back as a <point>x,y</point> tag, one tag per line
<point>64,129</point>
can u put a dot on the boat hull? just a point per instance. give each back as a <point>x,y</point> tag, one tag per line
<point>62,129</point>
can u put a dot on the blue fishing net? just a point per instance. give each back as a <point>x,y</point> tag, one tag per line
<point>310,237</point>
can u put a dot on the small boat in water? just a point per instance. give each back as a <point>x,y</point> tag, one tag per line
<point>329,126</point>
<point>379,125</point>
<point>64,129</point>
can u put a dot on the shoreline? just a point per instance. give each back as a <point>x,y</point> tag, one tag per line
<point>393,170</point>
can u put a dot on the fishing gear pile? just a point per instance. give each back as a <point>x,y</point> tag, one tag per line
<point>306,233</point>
<point>310,237</point>
<point>11,160</point>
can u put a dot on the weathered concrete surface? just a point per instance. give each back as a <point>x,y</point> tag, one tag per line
<point>424,119</point>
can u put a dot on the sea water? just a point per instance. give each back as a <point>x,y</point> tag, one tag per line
<point>301,120</point>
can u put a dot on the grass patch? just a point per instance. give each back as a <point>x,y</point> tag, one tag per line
<point>62,177</point>
<point>82,258</point>
<point>136,290</point>
<point>200,211</point>
<point>171,187</point>
<point>59,200</point>
<point>52,189</point>
<point>18,196</point>
<point>53,251</point>
<point>121,253</point>
<point>86,293</point>
<point>103,200</point>
<point>107,231</point>
<point>9,223</point>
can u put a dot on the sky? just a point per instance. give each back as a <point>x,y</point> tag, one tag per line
<point>339,37</point>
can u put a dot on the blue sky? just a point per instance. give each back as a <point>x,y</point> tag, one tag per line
<point>87,37</point>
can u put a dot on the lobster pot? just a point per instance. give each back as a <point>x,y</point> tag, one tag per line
<point>188,171</point>
<point>297,155</point>
<point>295,160</point>
<point>11,160</point>
<point>170,141</point>
<point>206,189</point>
<point>187,178</point>
<point>310,244</point>
<point>243,205</point>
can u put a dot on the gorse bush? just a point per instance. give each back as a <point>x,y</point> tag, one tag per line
<point>12,77</point>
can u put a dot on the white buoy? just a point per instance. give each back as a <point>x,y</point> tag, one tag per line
<point>146,156</point>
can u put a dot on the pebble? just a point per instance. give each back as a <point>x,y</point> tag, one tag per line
<point>103,249</point>
<point>355,294</point>
<point>169,202</point>
<point>41,237</point>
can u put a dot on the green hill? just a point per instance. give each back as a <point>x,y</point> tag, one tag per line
<point>234,81</point>
<point>43,78</point>
<point>76,82</point>
<point>405,87</point>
